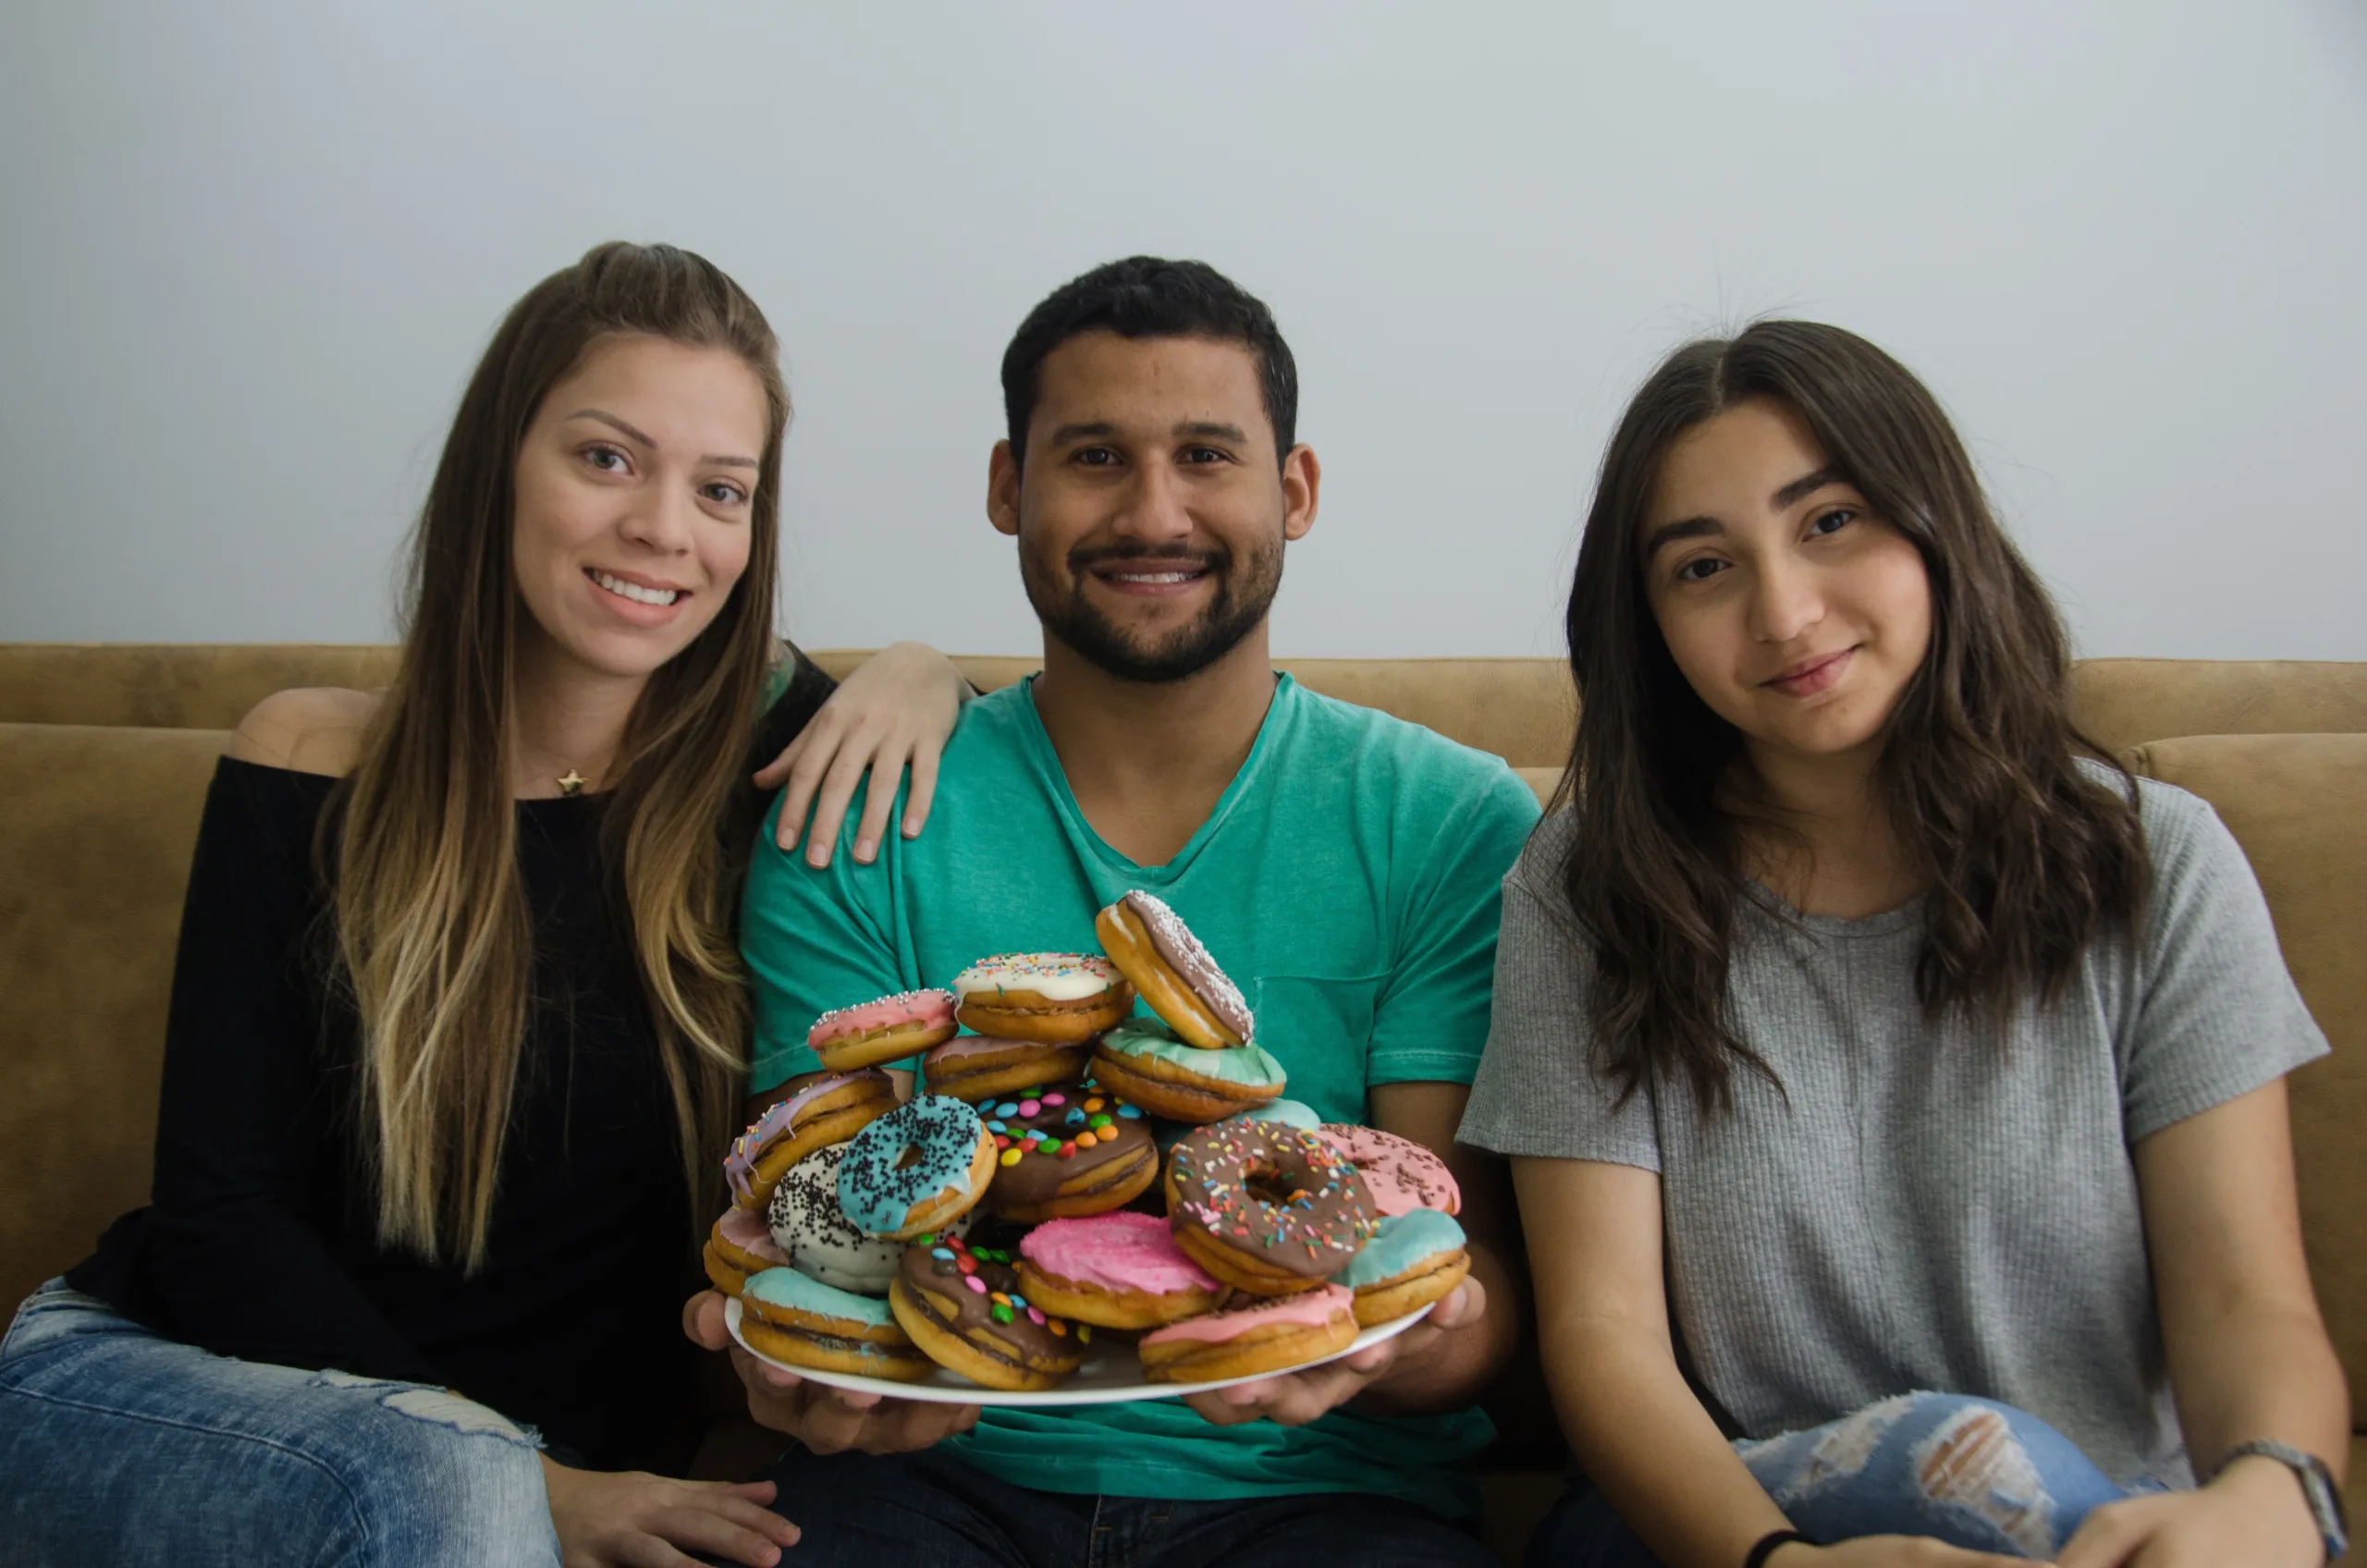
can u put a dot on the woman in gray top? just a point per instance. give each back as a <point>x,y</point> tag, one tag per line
<point>1894,1085</point>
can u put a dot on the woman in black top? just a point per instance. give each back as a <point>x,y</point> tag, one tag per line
<point>456,1027</point>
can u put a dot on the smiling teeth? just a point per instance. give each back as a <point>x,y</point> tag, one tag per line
<point>634,592</point>
<point>1156,576</point>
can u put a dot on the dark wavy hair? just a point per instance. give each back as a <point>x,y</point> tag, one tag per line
<point>1150,297</point>
<point>2028,854</point>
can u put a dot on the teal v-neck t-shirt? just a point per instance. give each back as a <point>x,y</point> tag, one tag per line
<point>1348,880</point>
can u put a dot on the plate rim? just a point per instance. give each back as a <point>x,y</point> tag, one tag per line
<point>1135,1392</point>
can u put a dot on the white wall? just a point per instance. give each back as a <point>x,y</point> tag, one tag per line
<point>248,253</point>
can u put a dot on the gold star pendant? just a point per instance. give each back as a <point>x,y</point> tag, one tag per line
<point>572,784</point>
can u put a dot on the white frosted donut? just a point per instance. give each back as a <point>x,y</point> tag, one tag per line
<point>809,1226</point>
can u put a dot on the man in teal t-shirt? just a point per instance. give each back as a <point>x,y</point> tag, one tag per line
<point>1343,866</point>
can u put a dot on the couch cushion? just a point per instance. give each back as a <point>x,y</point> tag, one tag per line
<point>171,685</point>
<point>2297,803</point>
<point>2124,702</point>
<point>95,854</point>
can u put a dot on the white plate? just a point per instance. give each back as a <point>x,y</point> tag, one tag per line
<point>1109,1376</point>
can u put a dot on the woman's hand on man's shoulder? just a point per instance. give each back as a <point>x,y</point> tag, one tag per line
<point>305,729</point>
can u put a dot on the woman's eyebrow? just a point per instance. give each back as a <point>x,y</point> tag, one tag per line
<point>1686,528</point>
<point>718,460</point>
<point>1807,485</point>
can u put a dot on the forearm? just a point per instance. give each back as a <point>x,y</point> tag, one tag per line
<point>1643,1438</point>
<point>1466,1360</point>
<point>2260,1369</point>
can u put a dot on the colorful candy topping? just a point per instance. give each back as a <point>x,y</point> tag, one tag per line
<point>1054,1122</point>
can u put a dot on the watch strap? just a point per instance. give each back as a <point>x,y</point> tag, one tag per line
<point>2318,1489</point>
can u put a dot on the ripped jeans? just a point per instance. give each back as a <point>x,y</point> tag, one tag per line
<point>120,1447</point>
<point>1970,1472</point>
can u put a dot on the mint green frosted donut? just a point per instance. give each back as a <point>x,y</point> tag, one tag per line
<point>1403,1241</point>
<point>787,1287</point>
<point>1246,1067</point>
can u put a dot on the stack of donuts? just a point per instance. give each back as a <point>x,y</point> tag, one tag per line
<point>995,1222</point>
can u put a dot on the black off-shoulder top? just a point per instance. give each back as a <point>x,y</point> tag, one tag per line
<point>259,1240</point>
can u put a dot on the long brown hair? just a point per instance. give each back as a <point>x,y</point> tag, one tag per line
<point>432,925</point>
<point>2028,855</point>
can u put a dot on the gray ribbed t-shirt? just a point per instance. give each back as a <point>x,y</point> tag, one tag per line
<point>1932,1207</point>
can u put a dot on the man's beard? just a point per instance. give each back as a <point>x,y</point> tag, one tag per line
<point>1081,627</point>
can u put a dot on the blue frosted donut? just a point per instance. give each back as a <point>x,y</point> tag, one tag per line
<point>923,1156</point>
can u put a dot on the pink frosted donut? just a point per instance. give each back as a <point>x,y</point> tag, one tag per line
<point>887,1029</point>
<point>1401,1173</point>
<point>1116,1270</point>
<point>1303,1326</point>
<point>738,1247</point>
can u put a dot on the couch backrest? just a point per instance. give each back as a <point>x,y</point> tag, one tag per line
<point>94,853</point>
<point>2297,803</point>
<point>2125,703</point>
<point>1519,708</point>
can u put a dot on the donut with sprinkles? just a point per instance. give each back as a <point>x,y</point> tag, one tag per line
<point>1267,1208</point>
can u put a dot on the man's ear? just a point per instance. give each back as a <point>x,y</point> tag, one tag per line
<point>1002,489</point>
<point>1302,481</point>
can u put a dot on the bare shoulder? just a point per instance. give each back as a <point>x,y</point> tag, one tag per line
<point>307,728</point>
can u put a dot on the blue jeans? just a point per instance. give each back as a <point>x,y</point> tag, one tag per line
<point>929,1510</point>
<point>1974,1474</point>
<point>122,1448</point>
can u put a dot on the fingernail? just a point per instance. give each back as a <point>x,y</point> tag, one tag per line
<point>911,828</point>
<point>865,849</point>
<point>816,858</point>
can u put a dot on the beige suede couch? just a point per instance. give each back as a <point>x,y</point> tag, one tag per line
<point>105,750</point>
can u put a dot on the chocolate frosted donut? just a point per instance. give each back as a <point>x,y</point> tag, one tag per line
<point>1062,1153</point>
<point>966,1312</point>
<point>1172,969</point>
<point>1265,1209</point>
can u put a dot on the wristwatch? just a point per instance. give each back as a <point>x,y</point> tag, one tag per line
<point>2317,1488</point>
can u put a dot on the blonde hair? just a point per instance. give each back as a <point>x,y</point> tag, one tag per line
<point>432,925</point>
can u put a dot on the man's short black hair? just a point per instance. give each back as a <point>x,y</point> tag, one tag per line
<point>1149,297</point>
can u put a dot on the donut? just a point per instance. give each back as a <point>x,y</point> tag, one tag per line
<point>1414,1258</point>
<point>1115,1271</point>
<point>1153,948</point>
<point>978,1067</point>
<point>1290,1113</point>
<point>813,1235</point>
<point>737,1247</point>
<point>965,1311</point>
<point>802,1321</point>
<point>1272,1336</point>
<point>1063,1153</point>
<point>887,1029</point>
<point>916,1169</point>
<point>1400,1173</point>
<point>1146,1063</point>
<point>828,1111</point>
<point>1265,1209</point>
<point>1056,998</point>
